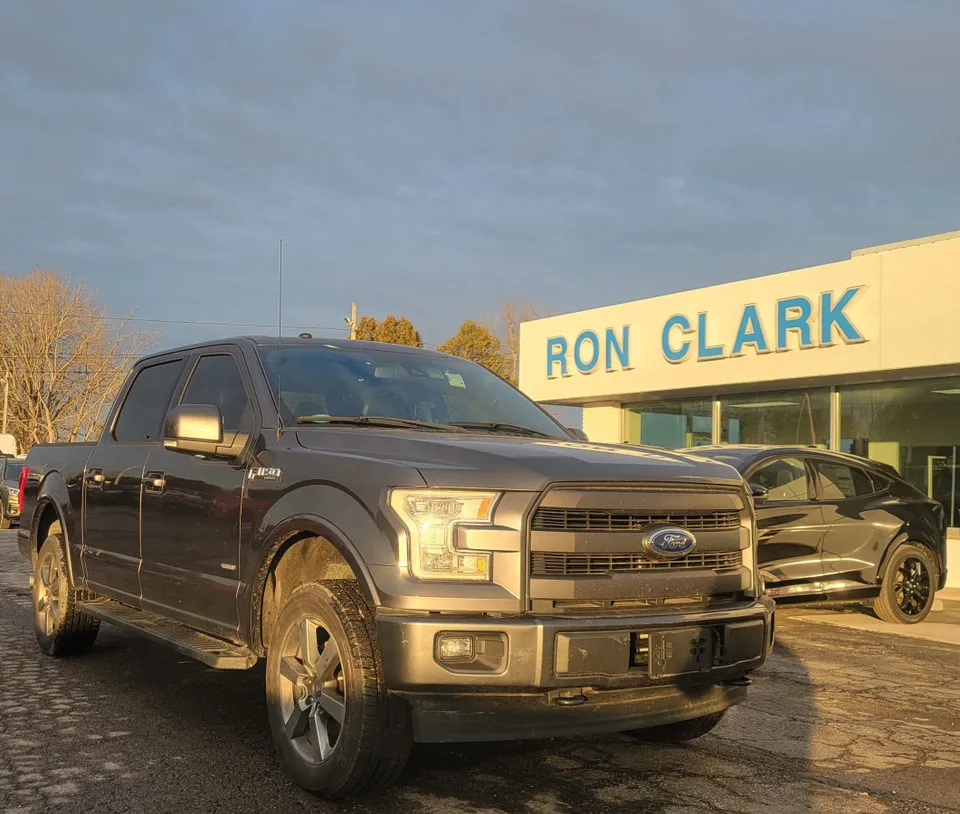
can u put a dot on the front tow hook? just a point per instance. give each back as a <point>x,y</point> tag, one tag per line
<point>570,698</point>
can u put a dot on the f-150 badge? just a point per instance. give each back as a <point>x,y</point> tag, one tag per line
<point>266,473</point>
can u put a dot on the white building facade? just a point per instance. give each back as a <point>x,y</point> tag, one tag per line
<point>861,356</point>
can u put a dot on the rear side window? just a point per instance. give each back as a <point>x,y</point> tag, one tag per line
<point>840,482</point>
<point>141,416</point>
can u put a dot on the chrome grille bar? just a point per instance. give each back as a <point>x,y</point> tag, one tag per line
<point>559,519</point>
<point>560,564</point>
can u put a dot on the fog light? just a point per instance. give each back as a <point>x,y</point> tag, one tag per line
<point>455,647</point>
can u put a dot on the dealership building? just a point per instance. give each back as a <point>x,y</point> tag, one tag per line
<point>861,355</point>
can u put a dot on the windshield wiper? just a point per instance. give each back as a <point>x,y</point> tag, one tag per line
<point>499,426</point>
<point>376,421</point>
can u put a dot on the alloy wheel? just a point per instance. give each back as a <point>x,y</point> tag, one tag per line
<point>312,690</point>
<point>48,587</point>
<point>911,586</point>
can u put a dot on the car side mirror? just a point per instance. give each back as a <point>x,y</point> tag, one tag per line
<point>758,493</point>
<point>579,434</point>
<point>197,429</point>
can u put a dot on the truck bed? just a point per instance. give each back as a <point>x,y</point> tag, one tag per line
<point>67,459</point>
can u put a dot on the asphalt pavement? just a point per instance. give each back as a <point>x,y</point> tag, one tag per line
<point>838,720</point>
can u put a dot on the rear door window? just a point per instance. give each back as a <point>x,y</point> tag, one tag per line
<point>141,417</point>
<point>842,482</point>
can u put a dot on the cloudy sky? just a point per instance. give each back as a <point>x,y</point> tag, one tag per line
<point>432,157</point>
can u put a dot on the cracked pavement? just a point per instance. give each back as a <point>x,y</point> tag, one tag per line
<point>837,721</point>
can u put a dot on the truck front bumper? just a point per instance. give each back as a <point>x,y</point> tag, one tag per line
<point>485,678</point>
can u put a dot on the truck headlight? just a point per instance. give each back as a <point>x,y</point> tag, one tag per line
<point>430,518</point>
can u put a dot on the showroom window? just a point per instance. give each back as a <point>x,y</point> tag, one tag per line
<point>912,426</point>
<point>670,424</point>
<point>790,417</point>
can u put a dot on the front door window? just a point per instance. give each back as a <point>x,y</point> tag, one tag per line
<point>785,480</point>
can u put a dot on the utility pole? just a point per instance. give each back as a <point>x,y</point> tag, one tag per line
<point>352,322</point>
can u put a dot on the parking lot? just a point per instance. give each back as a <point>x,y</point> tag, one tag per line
<point>839,720</point>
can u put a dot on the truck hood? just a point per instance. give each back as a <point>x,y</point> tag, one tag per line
<point>514,463</point>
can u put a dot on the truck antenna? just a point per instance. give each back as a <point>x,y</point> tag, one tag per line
<point>280,344</point>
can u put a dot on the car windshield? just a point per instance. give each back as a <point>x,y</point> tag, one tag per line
<point>11,473</point>
<point>366,383</point>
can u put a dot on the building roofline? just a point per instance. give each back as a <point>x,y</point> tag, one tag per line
<point>905,244</point>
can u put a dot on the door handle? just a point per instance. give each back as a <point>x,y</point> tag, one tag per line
<point>154,482</point>
<point>95,479</point>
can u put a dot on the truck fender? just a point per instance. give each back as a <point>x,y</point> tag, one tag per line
<point>318,527</point>
<point>320,509</point>
<point>52,494</point>
<point>298,526</point>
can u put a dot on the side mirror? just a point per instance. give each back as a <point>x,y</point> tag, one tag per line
<point>197,429</point>
<point>758,493</point>
<point>580,435</point>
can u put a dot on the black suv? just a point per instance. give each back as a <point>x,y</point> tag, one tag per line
<point>836,526</point>
<point>10,491</point>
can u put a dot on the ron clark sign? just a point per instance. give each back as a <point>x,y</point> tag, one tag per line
<point>816,323</point>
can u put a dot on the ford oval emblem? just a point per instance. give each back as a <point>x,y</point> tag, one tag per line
<point>668,542</point>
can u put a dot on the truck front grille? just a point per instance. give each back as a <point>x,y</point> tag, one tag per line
<point>558,519</point>
<point>560,564</point>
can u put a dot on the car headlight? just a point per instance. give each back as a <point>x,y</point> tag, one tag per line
<point>430,518</point>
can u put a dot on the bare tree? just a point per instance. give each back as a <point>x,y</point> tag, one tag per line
<point>65,361</point>
<point>506,326</point>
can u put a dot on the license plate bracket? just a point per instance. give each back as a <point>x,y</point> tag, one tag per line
<point>682,651</point>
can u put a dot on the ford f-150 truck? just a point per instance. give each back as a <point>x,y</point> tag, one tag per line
<point>417,550</point>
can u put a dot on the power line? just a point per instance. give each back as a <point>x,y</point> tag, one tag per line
<point>204,323</point>
<point>87,318</point>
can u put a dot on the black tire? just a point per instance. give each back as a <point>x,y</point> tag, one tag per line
<point>909,586</point>
<point>62,629</point>
<point>679,732</point>
<point>369,748</point>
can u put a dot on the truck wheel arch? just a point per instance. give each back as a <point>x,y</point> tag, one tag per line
<point>48,519</point>
<point>302,550</point>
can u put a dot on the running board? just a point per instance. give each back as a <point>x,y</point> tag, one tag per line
<point>213,652</point>
<point>814,588</point>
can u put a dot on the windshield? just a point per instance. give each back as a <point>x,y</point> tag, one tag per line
<point>347,383</point>
<point>11,473</point>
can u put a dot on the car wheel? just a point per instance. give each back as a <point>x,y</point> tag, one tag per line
<point>678,732</point>
<point>62,629</point>
<point>908,587</point>
<point>339,731</point>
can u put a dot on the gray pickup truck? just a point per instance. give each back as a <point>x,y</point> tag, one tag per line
<point>417,550</point>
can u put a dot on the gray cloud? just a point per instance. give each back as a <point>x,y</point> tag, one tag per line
<point>432,158</point>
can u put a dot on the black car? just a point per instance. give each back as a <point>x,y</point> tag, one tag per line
<point>9,491</point>
<point>836,527</point>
